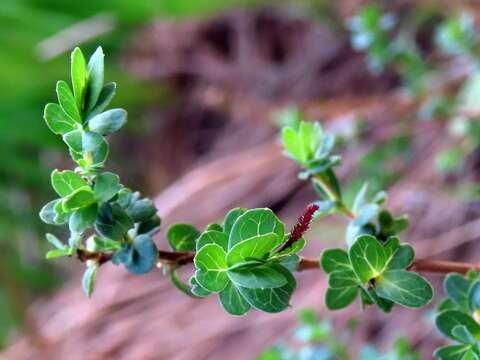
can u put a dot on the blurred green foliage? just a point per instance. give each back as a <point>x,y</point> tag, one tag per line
<point>27,148</point>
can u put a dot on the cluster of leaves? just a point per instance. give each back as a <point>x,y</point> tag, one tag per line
<point>90,201</point>
<point>319,342</point>
<point>388,42</point>
<point>458,315</point>
<point>244,260</point>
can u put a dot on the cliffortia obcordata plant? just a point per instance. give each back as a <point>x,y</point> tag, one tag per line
<point>249,259</point>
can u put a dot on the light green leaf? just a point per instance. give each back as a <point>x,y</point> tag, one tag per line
<point>106,95</point>
<point>293,145</point>
<point>55,253</point>
<point>270,300</point>
<point>107,185</point>
<point>230,219</point>
<point>257,247</point>
<point>447,320</point>
<point>48,213</point>
<point>212,268</point>
<point>83,218</point>
<point>360,199</point>
<point>402,258</point>
<point>471,355</point>
<point>66,182</point>
<point>52,239</point>
<point>367,257</point>
<point>404,287</point>
<point>335,259</point>
<point>81,142</point>
<point>254,223</point>
<point>88,280</point>
<point>182,237</point>
<point>108,122</point>
<point>212,237</point>
<point>339,298</point>
<point>365,214</point>
<point>67,101</point>
<point>78,199</point>
<point>342,278</point>
<point>57,121</point>
<point>232,301</point>
<point>79,76</point>
<point>263,276</point>
<point>452,352</point>
<point>95,70</point>
<point>112,221</point>
<point>456,287</point>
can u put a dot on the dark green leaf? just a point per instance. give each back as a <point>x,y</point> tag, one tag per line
<point>197,290</point>
<point>180,285</point>
<point>57,121</point>
<point>384,304</point>
<point>106,95</point>
<point>107,185</point>
<point>150,227</point>
<point>145,255</point>
<point>335,259</point>
<point>339,298</point>
<point>402,258</point>
<point>254,223</point>
<point>456,287</point>
<point>461,334</point>
<point>474,296</point>
<point>452,352</point>
<point>182,237</point>
<point>214,227</point>
<point>342,278</point>
<point>141,210</point>
<point>212,237</point>
<point>263,276</point>
<point>66,182</point>
<point>108,122</point>
<point>271,300</point>
<point>404,287</point>
<point>290,262</point>
<point>112,221</point>
<point>447,320</point>
<point>232,301</point>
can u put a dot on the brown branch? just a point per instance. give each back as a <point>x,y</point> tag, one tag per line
<point>182,258</point>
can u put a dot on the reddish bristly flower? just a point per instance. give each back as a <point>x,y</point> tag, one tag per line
<point>303,223</point>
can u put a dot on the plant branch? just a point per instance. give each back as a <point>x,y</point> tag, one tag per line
<point>182,258</point>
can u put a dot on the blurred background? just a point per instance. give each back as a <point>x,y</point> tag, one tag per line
<point>204,83</point>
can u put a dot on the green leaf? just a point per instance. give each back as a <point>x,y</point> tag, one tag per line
<point>88,280</point>
<point>391,247</point>
<point>144,257</point>
<point>367,257</point>
<point>95,70</point>
<point>470,355</point>
<point>52,239</point>
<point>79,76</point>
<point>474,296</point>
<point>404,287</point>
<point>107,244</point>
<point>55,253</point>
<point>107,185</point>
<point>66,182</point>
<point>232,301</point>
<point>461,334</point>
<point>112,221</point>
<point>254,223</point>
<point>271,300</point>
<point>230,219</point>
<point>263,276</point>
<point>256,247</point>
<point>402,258</point>
<point>83,218</point>
<point>295,248</point>
<point>289,262</point>
<point>108,122</point>
<point>293,145</point>
<point>48,213</point>
<point>339,298</point>
<point>342,278</point>
<point>366,213</point>
<point>212,268</point>
<point>214,227</point>
<point>335,259</point>
<point>197,290</point>
<point>57,121</point>
<point>384,304</point>
<point>81,142</point>
<point>212,237</point>
<point>141,210</point>
<point>452,352</point>
<point>360,199</point>
<point>106,95</point>
<point>182,237</point>
<point>78,199</point>
<point>447,320</point>
<point>67,101</point>
<point>151,226</point>
<point>447,304</point>
<point>456,287</point>
<point>180,285</point>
